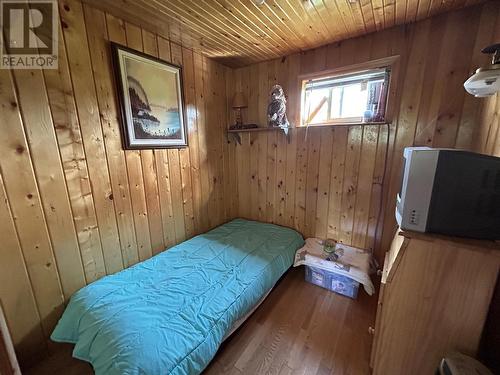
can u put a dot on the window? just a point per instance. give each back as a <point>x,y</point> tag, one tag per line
<point>349,98</point>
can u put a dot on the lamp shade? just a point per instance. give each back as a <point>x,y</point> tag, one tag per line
<point>239,100</point>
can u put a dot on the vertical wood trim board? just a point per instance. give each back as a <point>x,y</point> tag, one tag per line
<point>75,206</point>
<point>488,137</point>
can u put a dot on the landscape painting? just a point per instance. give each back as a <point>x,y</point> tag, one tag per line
<point>150,92</point>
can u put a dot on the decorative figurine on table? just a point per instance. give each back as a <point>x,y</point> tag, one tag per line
<point>276,110</point>
<point>330,247</point>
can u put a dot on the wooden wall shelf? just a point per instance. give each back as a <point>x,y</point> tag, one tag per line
<point>233,134</point>
<point>251,130</point>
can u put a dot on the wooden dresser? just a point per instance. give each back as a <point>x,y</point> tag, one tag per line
<point>434,298</point>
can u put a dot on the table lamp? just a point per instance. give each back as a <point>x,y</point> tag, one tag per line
<point>239,102</point>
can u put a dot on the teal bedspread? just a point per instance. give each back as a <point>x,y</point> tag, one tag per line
<point>169,314</point>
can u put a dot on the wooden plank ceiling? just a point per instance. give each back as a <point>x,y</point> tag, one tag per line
<point>239,32</point>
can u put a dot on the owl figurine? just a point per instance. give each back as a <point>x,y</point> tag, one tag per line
<point>276,110</point>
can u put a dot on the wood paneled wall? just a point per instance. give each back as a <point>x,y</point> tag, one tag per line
<point>73,205</point>
<point>487,140</point>
<point>328,181</point>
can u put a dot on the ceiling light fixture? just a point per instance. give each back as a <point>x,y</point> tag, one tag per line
<point>259,2</point>
<point>486,80</point>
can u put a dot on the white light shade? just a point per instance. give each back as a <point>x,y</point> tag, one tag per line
<point>483,83</point>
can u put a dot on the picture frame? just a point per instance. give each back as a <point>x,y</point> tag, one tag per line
<point>150,97</point>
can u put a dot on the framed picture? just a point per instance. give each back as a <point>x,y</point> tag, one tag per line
<point>150,97</point>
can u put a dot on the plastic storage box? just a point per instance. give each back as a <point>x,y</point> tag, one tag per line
<point>332,281</point>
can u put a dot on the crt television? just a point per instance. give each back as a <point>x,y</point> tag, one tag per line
<point>451,192</point>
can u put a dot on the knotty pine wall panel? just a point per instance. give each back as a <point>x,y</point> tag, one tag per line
<point>74,205</point>
<point>329,181</point>
<point>487,141</point>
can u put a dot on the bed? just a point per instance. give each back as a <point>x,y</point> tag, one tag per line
<point>170,313</point>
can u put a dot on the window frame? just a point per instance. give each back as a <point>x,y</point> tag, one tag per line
<point>391,63</point>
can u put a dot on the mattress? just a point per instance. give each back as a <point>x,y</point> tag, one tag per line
<point>170,313</point>
<point>238,323</point>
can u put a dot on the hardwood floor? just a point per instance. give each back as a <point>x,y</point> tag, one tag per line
<point>299,329</point>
